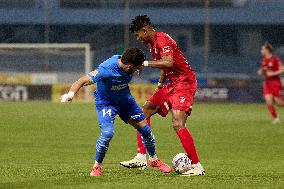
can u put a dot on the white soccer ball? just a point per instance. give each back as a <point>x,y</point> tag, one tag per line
<point>181,163</point>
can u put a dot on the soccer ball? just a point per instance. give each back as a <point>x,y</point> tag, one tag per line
<point>181,163</point>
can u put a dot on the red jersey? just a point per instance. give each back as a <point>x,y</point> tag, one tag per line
<point>271,64</point>
<point>164,45</point>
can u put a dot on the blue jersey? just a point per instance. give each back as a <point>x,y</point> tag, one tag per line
<point>112,82</point>
<point>113,94</point>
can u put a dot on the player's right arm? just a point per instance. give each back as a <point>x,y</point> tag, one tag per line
<point>76,86</point>
<point>279,71</point>
<point>83,81</point>
<point>161,79</point>
<point>89,79</point>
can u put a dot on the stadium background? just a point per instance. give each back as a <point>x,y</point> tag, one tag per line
<point>221,39</point>
<point>50,145</point>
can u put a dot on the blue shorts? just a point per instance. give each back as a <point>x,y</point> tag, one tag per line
<point>126,109</point>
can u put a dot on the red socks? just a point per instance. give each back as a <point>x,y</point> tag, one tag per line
<point>188,144</point>
<point>185,138</point>
<point>141,148</point>
<point>272,110</point>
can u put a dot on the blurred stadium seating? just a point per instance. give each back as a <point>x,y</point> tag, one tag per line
<point>236,29</point>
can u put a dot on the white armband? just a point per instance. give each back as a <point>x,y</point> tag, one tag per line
<point>145,63</point>
<point>70,94</point>
<point>67,96</point>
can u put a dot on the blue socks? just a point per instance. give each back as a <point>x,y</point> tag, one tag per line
<point>148,139</point>
<point>107,133</point>
<point>103,142</point>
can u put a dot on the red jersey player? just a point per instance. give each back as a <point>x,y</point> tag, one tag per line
<point>271,68</point>
<point>177,95</point>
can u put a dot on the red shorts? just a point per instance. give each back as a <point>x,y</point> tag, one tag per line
<point>180,97</point>
<point>274,89</point>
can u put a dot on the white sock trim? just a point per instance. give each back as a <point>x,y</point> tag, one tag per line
<point>97,164</point>
<point>197,166</point>
<point>141,157</point>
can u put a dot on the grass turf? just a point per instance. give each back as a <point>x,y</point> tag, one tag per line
<point>49,145</point>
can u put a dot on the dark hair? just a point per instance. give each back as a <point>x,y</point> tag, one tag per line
<point>268,46</point>
<point>133,56</point>
<point>139,22</point>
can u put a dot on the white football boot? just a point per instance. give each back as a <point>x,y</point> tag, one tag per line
<point>196,169</point>
<point>139,161</point>
<point>276,121</point>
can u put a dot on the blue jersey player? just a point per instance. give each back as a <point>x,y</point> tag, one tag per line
<point>113,98</point>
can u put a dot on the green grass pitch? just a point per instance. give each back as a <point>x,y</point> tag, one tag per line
<point>49,145</point>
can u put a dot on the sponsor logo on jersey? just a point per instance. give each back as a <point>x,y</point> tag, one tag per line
<point>166,49</point>
<point>118,87</point>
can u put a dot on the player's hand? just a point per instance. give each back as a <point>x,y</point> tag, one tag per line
<point>158,88</point>
<point>67,97</point>
<point>160,85</point>
<point>260,72</point>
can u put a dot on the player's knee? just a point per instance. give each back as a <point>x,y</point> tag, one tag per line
<point>268,100</point>
<point>107,133</point>
<point>177,125</point>
<point>279,102</point>
<point>269,103</point>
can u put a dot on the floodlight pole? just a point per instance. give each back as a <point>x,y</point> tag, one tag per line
<point>126,18</point>
<point>206,37</point>
<point>46,31</point>
<point>46,21</point>
<point>88,68</point>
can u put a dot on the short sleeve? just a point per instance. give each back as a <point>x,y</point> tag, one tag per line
<point>97,74</point>
<point>165,46</point>
<point>278,61</point>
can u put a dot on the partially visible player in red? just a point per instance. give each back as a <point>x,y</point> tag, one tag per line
<point>271,68</point>
<point>177,95</point>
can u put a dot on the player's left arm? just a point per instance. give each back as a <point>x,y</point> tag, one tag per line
<point>161,79</point>
<point>278,72</point>
<point>275,73</point>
